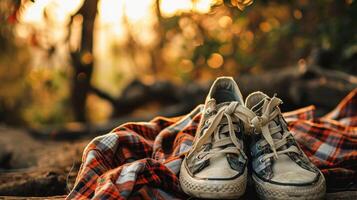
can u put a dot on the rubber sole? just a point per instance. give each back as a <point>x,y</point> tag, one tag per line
<point>212,189</point>
<point>266,190</point>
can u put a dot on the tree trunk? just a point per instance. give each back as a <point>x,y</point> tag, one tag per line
<point>82,60</point>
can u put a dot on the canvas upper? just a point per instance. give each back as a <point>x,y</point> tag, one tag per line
<point>218,149</point>
<point>276,157</point>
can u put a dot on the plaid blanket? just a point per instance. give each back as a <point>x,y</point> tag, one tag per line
<point>142,160</point>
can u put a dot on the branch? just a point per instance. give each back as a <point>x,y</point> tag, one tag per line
<point>103,95</point>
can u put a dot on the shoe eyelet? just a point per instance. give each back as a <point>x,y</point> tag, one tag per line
<point>208,111</point>
<point>206,122</point>
<point>255,131</point>
<point>238,129</point>
<point>200,156</point>
<point>259,147</point>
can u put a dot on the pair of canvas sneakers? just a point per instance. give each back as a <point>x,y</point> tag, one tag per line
<point>217,164</point>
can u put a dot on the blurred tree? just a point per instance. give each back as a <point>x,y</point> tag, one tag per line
<point>13,91</point>
<point>82,60</point>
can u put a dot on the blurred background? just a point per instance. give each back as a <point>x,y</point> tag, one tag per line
<point>74,69</point>
<point>71,60</point>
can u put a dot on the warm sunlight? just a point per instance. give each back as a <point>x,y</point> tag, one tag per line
<point>106,10</point>
<point>110,10</point>
<point>115,19</point>
<point>138,9</point>
<point>113,15</point>
<point>170,9</point>
<point>35,12</point>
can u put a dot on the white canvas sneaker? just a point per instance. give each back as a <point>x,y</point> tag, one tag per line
<point>280,169</point>
<point>216,166</point>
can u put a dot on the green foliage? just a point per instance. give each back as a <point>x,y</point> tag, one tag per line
<point>273,34</point>
<point>28,95</point>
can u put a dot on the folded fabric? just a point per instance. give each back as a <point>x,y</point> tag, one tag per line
<point>142,160</point>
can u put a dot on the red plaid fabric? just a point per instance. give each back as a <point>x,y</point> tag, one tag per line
<point>142,160</point>
<point>330,141</point>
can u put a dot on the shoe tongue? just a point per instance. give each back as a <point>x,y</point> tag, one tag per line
<point>260,108</point>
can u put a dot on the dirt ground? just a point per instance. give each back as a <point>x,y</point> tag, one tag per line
<point>32,167</point>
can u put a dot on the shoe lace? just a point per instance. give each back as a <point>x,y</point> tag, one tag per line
<point>261,125</point>
<point>233,110</point>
